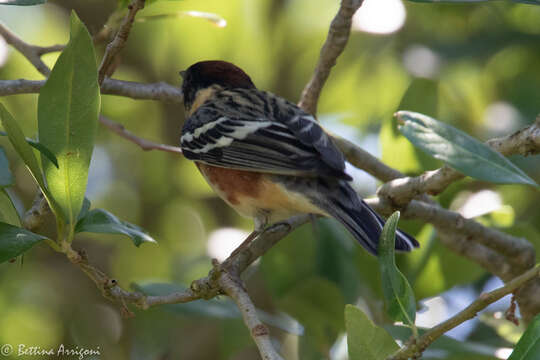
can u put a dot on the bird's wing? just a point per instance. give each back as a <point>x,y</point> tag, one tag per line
<point>258,131</point>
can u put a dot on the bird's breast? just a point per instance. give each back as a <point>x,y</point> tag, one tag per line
<point>253,193</point>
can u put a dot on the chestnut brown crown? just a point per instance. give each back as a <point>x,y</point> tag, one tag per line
<point>204,74</point>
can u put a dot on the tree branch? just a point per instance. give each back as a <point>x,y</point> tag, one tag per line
<point>259,332</point>
<point>400,191</point>
<point>113,49</point>
<point>138,91</point>
<point>335,43</point>
<point>144,144</point>
<point>485,299</point>
<point>31,52</point>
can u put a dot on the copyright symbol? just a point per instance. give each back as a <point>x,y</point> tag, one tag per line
<point>6,349</point>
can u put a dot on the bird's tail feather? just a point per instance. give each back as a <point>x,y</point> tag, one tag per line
<point>360,219</point>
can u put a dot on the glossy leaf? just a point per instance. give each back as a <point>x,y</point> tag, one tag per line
<point>15,241</point>
<point>214,19</point>
<point>22,2</point>
<point>459,150</point>
<point>68,109</point>
<point>399,297</point>
<point>411,160</point>
<point>365,340</point>
<point>528,347</point>
<point>220,308</point>
<point>84,210</point>
<point>6,177</point>
<point>40,147</point>
<point>8,213</point>
<point>102,221</point>
<point>18,140</point>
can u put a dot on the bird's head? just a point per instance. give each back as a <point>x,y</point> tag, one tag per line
<point>202,78</point>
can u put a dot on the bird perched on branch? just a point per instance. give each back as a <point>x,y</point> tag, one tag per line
<point>267,158</point>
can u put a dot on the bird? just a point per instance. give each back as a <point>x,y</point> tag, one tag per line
<point>267,158</point>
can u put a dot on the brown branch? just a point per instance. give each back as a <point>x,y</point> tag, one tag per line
<point>31,52</point>
<point>144,144</point>
<point>139,91</point>
<point>119,41</point>
<point>335,43</point>
<point>400,191</point>
<point>485,299</point>
<point>205,288</point>
<point>259,332</point>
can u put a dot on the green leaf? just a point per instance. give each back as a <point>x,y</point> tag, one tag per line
<point>422,95</point>
<point>6,177</point>
<point>15,241</point>
<point>40,147</point>
<point>459,150</point>
<point>528,347</point>
<point>68,109</point>
<point>102,221</point>
<point>18,140</point>
<point>220,308</point>
<point>8,213</point>
<point>365,340</point>
<point>85,208</point>
<point>399,297</point>
<point>214,19</point>
<point>22,2</point>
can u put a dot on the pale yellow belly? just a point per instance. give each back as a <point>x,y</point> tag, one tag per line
<point>254,195</point>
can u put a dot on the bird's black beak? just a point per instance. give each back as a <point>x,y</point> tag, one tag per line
<point>183,74</point>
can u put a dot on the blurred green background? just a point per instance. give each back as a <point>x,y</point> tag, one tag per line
<point>474,66</point>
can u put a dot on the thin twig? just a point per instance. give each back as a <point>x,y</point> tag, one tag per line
<point>119,41</point>
<point>335,43</point>
<point>144,144</point>
<point>469,312</point>
<point>138,91</point>
<point>31,52</point>
<point>206,287</point>
<point>400,191</point>
<point>259,332</point>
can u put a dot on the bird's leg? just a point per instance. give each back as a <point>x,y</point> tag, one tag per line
<point>246,242</point>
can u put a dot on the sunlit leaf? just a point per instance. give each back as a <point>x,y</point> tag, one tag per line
<point>399,297</point>
<point>459,150</point>
<point>68,109</point>
<point>40,147</point>
<point>220,308</point>
<point>18,140</point>
<point>528,347</point>
<point>15,241</point>
<point>102,221</point>
<point>22,2</point>
<point>422,95</point>
<point>365,340</point>
<point>6,177</point>
<point>210,17</point>
<point>8,213</point>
